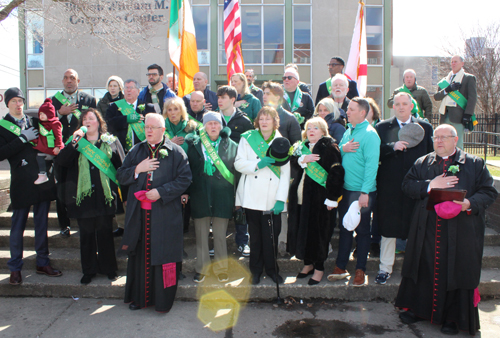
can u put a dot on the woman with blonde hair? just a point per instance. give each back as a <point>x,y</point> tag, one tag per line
<point>245,101</point>
<point>114,85</point>
<point>327,110</point>
<point>177,122</point>
<point>318,178</point>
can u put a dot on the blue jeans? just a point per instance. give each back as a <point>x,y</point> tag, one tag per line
<point>241,236</point>
<point>19,218</point>
<point>362,231</point>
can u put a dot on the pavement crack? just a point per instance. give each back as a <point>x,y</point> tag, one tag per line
<point>55,319</point>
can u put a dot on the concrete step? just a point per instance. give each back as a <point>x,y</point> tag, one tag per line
<point>68,285</point>
<point>69,259</point>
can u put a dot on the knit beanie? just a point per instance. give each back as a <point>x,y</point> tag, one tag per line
<point>211,116</point>
<point>48,109</point>
<point>117,79</point>
<point>12,93</point>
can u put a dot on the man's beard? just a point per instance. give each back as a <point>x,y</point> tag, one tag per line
<point>338,96</point>
<point>154,83</point>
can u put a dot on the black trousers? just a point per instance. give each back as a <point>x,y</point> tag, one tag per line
<point>261,245</point>
<point>97,246</point>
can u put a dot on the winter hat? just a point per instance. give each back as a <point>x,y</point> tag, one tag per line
<point>352,217</point>
<point>447,209</point>
<point>278,151</point>
<point>48,109</point>
<point>117,79</point>
<point>12,93</point>
<point>211,116</point>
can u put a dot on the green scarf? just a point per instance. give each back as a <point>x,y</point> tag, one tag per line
<point>84,187</point>
<point>171,130</point>
<point>209,167</point>
<point>270,137</point>
<point>297,99</point>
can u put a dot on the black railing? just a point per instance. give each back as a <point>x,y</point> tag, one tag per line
<point>485,139</point>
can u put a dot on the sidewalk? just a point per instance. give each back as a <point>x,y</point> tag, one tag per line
<point>62,317</point>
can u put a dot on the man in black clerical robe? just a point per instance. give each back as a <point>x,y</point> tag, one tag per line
<point>153,223</point>
<point>442,266</point>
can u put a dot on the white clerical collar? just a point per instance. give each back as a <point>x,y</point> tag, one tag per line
<point>407,122</point>
<point>446,157</point>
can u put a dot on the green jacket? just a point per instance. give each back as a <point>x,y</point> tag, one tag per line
<point>211,196</point>
<point>420,95</point>
<point>190,128</point>
<point>253,106</point>
<point>361,166</point>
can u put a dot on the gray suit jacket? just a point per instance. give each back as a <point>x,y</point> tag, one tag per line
<point>469,91</point>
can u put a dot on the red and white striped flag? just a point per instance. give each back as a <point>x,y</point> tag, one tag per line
<point>356,68</point>
<point>232,38</point>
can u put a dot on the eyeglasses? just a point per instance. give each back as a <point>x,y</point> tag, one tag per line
<point>289,77</point>
<point>333,64</point>
<point>151,128</point>
<point>440,138</point>
<point>152,74</point>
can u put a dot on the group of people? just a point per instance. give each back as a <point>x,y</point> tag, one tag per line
<point>253,153</point>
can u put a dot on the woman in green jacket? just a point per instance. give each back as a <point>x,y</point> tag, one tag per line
<point>177,122</point>
<point>247,103</point>
<point>211,156</point>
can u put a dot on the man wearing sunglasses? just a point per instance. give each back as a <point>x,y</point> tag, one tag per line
<point>156,92</point>
<point>296,101</point>
<point>335,66</point>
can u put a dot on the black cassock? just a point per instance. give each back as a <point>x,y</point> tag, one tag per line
<point>442,264</point>
<point>147,284</point>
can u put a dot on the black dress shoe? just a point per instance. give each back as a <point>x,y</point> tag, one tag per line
<point>255,279</point>
<point>15,278</point>
<point>118,232</point>
<point>449,328</point>
<point>48,270</point>
<point>112,276</point>
<point>408,317</point>
<point>133,306</point>
<point>86,279</point>
<point>280,279</point>
<point>65,233</point>
<point>313,282</point>
<point>304,275</point>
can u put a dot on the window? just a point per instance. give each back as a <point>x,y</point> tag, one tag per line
<point>201,19</point>
<point>374,34</point>
<point>34,40</point>
<point>302,34</point>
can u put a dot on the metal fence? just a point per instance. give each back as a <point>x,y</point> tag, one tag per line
<point>485,139</point>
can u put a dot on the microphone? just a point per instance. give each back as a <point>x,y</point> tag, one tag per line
<point>78,137</point>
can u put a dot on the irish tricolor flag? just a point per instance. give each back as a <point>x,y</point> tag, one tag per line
<point>182,44</point>
<point>356,68</point>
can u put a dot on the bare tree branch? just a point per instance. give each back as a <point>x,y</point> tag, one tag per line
<point>5,11</point>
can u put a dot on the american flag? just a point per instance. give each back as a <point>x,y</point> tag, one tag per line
<point>232,38</point>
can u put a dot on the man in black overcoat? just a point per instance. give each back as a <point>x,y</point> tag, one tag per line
<point>76,100</point>
<point>396,158</point>
<point>153,238</point>
<point>442,266</point>
<point>16,131</point>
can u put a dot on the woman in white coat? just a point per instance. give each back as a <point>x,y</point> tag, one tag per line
<point>263,187</point>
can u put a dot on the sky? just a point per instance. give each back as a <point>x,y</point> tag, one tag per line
<point>420,28</point>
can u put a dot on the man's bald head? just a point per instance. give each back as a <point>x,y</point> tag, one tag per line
<point>70,81</point>
<point>200,81</point>
<point>197,101</point>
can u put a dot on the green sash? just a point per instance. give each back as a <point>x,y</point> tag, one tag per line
<point>98,158</point>
<point>460,100</point>
<point>138,127</point>
<point>48,134</point>
<point>416,108</point>
<point>12,127</point>
<point>314,170</point>
<point>215,157</point>
<point>65,101</point>
<point>199,125</point>
<point>329,86</point>
<point>259,146</point>
<point>296,99</point>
